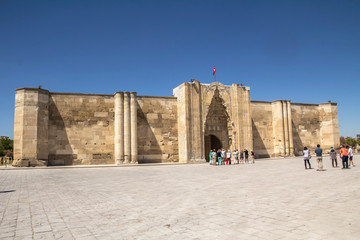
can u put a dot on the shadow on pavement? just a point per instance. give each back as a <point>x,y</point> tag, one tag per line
<point>7,191</point>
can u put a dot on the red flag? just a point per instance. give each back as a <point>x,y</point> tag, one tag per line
<point>214,71</point>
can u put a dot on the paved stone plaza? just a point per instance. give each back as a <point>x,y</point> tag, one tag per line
<point>272,199</point>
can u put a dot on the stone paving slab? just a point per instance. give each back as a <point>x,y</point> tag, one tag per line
<point>271,199</point>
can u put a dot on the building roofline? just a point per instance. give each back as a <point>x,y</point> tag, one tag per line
<point>33,89</point>
<point>293,103</point>
<point>164,97</point>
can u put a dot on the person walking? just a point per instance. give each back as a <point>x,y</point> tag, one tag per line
<point>214,157</point>
<point>307,157</point>
<point>228,157</point>
<point>242,157</point>
<point>252,153</point>
<point>236,158</point>
<point>219,156</point>
<point>210,157</point>
<point>332,154</point>
<point>351,155</point>
<point>344,156</point>
<point>223,153</point>
<point>246,154</point>
<point>318,152</point>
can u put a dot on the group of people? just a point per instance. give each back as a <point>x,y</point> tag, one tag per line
<point>221,157</point>
<point>346,154</point>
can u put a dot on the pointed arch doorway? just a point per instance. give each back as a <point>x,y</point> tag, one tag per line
<point>218,127</point>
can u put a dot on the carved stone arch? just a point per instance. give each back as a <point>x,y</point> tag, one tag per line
<point>218,120</point>
<point>209,94</point>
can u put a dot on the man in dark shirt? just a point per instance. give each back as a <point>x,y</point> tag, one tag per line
<point>246,153</point>
<point>318,152</point>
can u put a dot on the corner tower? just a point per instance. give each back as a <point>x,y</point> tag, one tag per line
<point>31,127</point>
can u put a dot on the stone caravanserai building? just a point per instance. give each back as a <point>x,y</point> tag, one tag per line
<point>53,128</point>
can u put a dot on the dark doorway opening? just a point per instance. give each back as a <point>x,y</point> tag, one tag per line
<point>211,142</point>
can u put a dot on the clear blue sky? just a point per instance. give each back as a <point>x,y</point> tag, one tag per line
<point>303,51</point>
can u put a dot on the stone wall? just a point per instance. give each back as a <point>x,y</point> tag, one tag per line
<point>305,126</point>
<point>81,129</point>
<point>262,126</point>
<point>72,128</point>
<point>329,125</point>
<point>282,128</point>
<point>157,129</point>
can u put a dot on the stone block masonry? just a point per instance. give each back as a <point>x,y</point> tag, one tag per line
<point>52,128</point>
<point>81,129</point>
<point>31,127</point>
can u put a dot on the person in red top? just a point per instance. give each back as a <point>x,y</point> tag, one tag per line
<point>344,155</point>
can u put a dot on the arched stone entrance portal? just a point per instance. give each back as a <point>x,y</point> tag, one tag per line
<point>218,129</point>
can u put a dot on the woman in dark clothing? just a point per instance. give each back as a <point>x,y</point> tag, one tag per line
<point>219,156</point>
<point>333,157</point>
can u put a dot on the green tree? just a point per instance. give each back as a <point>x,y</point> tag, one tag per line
<point>2,151</point>
<point>6,146</point>
<point>351,141</point>
<point>7,143</point>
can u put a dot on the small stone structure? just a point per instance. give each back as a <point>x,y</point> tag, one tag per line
<point>52,128</point>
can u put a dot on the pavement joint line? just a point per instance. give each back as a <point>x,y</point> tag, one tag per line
<point>274,199</point>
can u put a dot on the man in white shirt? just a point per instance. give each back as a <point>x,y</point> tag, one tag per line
<point>351,155</point>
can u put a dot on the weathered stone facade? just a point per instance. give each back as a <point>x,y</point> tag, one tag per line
<point>70,128</point>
